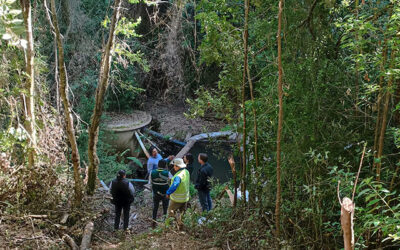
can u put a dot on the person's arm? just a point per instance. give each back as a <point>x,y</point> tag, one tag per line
<point>131,189</point>
<point>169,159</point>
<point>149,166</point>
<point>174,185</point>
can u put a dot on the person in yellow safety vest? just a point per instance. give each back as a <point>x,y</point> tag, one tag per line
<point>178,192</point>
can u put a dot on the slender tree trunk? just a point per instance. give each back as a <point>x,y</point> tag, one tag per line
<point>245,40</point>
<point>379,101</point>
<point>63,84</point>
<point>28,100</point>
<point>384,119</point>
<point>280,120</point>
<point>252,91</point>
<point>100,94</point>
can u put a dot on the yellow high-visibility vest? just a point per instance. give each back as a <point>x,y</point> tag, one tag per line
<point>181,194</point>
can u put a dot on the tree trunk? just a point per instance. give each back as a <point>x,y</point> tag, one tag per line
<point>384,119</point>
<point>346,220</point>
<point>245,40</point>
<point>63,84</point>
<point>251,90</point>
<point>379,101</point>
<point>280,120</point>
<point>28,100</point>
<point>100,94</point>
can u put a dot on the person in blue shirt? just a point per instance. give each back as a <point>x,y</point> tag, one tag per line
<point>155,157</point>
<point>178,192</point>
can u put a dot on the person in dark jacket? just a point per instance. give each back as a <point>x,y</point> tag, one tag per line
<point>122,192</point>
<point>188,160</point>
<point>159,183</point>
<point>203,182</point>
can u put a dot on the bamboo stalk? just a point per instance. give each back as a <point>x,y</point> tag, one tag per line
<point>280,121</point>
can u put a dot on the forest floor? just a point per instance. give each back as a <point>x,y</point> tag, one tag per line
<point>172,120</point>
<point>44,230</point>
<point>140,234</point>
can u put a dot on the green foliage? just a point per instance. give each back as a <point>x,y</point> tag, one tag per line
<point>378,210</point>
<point>11,24</point>
<point>136,161</point>
<point>332,53</point>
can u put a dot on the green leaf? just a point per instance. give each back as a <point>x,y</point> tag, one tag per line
<point>372,202</point>
<point>136,160</point>
<point>362,192</point>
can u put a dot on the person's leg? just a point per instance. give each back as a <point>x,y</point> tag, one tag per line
<point>173,208</point>
<point>156,202</point>
<point>165,202</point>
<point>203,200</point>
<point>209,201</point>
<point>118,209</point>
<point>127,208</point>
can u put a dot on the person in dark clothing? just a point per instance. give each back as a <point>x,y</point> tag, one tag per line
<point>159,183</point>
<point>188,159</point>
<point>122,192</point>
<point>203,182</point>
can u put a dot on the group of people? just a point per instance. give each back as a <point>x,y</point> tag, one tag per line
<point>170,186</point>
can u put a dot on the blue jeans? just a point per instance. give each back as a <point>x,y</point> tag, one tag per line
<point>205,200</point>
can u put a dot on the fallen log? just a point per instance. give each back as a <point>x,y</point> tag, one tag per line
<point>70,242</point>
<point>185,149</point>
<point>142,145</point>
<point>87,236</point>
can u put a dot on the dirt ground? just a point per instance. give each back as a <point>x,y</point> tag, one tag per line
<point>27,232</point>
<point>174,123</point>
<point>140,233</point>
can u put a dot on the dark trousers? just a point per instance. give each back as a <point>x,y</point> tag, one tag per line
<point>205,200</point>
<point>156,202</point>
<point>118,209</point>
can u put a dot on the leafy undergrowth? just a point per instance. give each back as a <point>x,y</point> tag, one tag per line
<point>221,228</point>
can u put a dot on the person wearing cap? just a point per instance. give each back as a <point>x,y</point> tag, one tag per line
<point>159,183</point>
<point>122,192</point>
<point>203,182</point>
<point>178,193</point>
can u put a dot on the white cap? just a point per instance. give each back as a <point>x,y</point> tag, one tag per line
<point>178,162</point>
